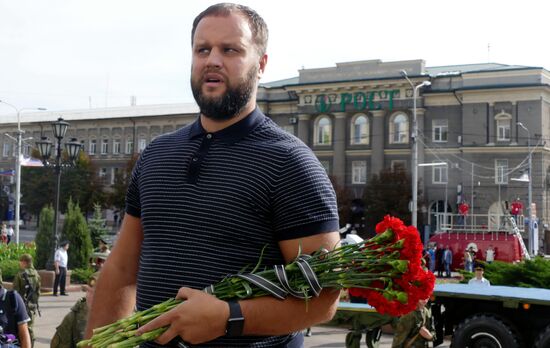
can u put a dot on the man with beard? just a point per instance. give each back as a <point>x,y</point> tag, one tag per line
<point>205,200</point>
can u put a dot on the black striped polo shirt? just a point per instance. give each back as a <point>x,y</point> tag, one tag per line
<point>210,202</point>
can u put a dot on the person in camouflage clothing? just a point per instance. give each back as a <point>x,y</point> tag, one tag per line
<point>27,283</point>
<point>71,330</point>
<point>415,329</point>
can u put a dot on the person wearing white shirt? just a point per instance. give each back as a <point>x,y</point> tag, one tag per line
<point>479,280</point>
<point>490,254</point>
<point>10,233</point>
<point>61,260</point>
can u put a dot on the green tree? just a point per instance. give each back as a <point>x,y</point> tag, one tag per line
<point>45,241</point>
<point>117,197</point>
<point>389,192</point>
<point>96,226</point>
<point>80,182</point>
<point>343,197</point>
<point>76,232</point>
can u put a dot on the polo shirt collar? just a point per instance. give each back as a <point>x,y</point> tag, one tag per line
<point>233,133</point>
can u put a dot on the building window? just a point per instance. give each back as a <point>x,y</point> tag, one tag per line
<point>440,131</point>
<point>142,144</point>
<point>398,165</point>
<point>439,174</point>
<point>6,150</point>
<point>503,127</point>
<point>116,146</point>
<point>359,130</point>
<point>288,128</point>
<point>93,145</point>
<point>129,146</point>
<point>399,129</point>
<point>501,171</point>
<point>326,165</point>
<point>323,131</point>
<point>83,145</point>
<point>359,172</point>
<point>104,146</point>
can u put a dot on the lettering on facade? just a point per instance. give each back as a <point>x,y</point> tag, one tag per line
<point>360,100</point>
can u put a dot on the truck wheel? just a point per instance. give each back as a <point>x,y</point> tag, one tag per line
<point>543,340</point>
<point>484,331</point>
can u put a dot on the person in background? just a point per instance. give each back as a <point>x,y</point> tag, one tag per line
<point>448,261</point>
<point>415,329</point>
<point>490,254</point>
<point>27,283</point>
<point>10,233</point>
<point>14,317</point>
<point>4,234</point>
<point>61,260</point>
<point>431,252</point>
<point>440,262</point>
<point>180,233</point>
<point>516,209</point>
<point>468,260</point>
<point>478,278</point>
<point>72,327</point>
<point>463,209</point>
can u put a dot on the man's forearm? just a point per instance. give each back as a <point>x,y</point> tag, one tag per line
<point>114,298</point>
<point>115,291</point>
<point>270,316</point>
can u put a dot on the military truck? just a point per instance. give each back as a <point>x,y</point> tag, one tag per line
<point>493,316</point>
<point>474,317</point>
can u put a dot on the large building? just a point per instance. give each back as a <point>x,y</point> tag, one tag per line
<point>481,120</point>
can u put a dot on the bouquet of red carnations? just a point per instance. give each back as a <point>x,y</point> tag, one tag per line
<point>386,269</point>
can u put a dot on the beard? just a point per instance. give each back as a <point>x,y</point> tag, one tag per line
<point>231,103</point>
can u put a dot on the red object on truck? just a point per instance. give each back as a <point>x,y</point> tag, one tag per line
<point>506,245</point>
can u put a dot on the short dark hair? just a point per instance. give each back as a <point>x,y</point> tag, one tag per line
<point>256,23</point>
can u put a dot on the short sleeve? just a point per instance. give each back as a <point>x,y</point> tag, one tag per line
<point>304,202</point>
<point>21,315</point>
<point>133,205</point>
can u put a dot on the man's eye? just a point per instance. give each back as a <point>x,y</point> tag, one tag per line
<point>230,50</point>
<point>203,50</point>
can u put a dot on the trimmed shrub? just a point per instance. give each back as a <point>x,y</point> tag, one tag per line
<point>81,275</point>
<point>76,232</point>
<point>97,226</point>
<point>9,269</point>
<point>45,241</point>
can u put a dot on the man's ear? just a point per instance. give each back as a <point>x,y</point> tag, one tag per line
<point>263,63</point>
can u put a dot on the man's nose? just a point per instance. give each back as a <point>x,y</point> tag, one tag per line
<point>215,59</point>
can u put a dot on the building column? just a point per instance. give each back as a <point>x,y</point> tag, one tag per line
<point>339,147</point>
<point>420,124</point>
<point>377,138</point>
<point>303,128</point>
<point>513,125</point>
<point>491,136</point>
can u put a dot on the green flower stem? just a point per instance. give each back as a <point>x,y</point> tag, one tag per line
<point>355,265</point>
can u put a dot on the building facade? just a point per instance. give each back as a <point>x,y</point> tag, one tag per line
<point>480,120</point>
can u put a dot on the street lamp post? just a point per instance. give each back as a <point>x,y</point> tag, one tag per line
<point>414,160</point>
<point>19,142</point>
<point>529,191</point>
<point>45,148</point>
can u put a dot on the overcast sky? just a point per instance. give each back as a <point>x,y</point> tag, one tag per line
<point>63,54</point>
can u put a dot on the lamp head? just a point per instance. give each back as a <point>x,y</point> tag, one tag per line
<point>403,73</point>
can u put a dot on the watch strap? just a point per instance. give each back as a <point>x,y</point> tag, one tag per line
<point>235,323</point>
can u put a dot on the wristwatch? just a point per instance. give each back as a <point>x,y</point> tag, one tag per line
<point>235,323</point>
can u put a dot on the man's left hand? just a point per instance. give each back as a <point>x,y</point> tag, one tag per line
<point>200,318</point>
